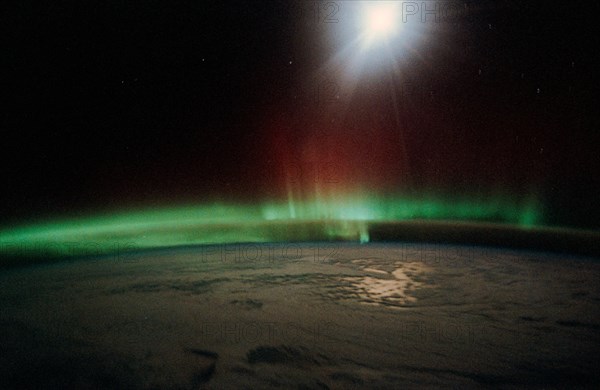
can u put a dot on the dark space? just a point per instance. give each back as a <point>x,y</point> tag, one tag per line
<point>113,104</point>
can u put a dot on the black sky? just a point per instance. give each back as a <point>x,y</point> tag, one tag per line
<point>116,103</point>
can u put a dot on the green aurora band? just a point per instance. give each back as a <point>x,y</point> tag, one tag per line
<point>319,220</point>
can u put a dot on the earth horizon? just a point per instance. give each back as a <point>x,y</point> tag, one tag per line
<point>319,315</point>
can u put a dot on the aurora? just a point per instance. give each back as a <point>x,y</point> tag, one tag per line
<point>220,223</point>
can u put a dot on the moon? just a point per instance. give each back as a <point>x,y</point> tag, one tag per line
<point>381,21</point>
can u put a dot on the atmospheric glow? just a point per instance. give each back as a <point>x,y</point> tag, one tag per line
<point>316,220</point>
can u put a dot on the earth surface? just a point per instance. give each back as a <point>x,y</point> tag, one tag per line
<point>306,316</point>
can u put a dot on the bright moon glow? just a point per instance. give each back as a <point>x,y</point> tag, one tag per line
<point>381,20</point>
